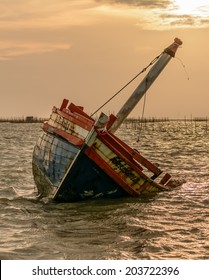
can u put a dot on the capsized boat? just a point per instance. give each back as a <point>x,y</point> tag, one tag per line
<point>78,157</point>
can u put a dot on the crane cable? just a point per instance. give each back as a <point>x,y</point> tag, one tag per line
<point>142,71</point>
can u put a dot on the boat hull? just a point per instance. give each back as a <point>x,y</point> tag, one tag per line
<point>107,167</point>
<point>62,138</point>
<point>76,158</point>
<point>52,156</point>
<point>85,179</point>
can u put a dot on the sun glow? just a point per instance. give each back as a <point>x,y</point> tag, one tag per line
<point>192,7</point>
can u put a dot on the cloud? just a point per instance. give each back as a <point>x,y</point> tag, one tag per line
<point>160,4</point>
<point>11,49</point>
<point>204,21</point>
<point>179,20</point>
<point>51,14</point>
<point>175,14</point>
<point>59,14</point>
<point>23,22</point>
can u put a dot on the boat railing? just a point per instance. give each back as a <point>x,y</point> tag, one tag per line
<point>129,155</point>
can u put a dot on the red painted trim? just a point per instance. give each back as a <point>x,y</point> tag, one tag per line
<point>112,119</point>
<point>119,146</point>
<point>64,104</point>
<point>138,157</point>
<point>120,151</point>
<point>146,163</point>
<point>78,109</point>
<point>70,138</point>
<point>110,172</point>
<point>123,144</point>
<point>159,186</point>
<point>76,119</point>
<point>165,179</point>
<point>91,153</point>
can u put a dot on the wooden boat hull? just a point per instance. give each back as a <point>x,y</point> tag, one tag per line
<point>71,164</point>
<point>86,179</point>
<point>107,167</point>
<point>51,157</point>
<point>63,136</point>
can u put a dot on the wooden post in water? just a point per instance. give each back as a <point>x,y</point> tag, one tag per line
<point>139,92</point>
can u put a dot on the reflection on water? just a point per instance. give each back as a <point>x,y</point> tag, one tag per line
<point>170,225</point>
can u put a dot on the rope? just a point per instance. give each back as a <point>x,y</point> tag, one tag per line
<point>143,109</point>
<point>142,71</point>
<point>187,75</point>
<point>142,117</point>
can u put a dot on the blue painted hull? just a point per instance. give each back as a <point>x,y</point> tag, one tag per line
<point>52,156</point>
<point>85,179</point>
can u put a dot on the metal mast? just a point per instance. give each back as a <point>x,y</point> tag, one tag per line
<point>139,92</point>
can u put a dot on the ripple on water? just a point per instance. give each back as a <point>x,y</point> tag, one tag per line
<point>169,225</point>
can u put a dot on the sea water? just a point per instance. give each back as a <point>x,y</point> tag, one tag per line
<point>169,225</point>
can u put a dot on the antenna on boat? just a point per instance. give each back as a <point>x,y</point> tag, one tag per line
<point>139,92</point>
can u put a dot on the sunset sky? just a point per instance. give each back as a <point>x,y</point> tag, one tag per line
<point>87,50</point>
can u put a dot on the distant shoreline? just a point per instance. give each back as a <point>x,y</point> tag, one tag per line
<point>31,119</point>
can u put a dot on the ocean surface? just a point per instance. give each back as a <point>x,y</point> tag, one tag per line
<point>169,225</point>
